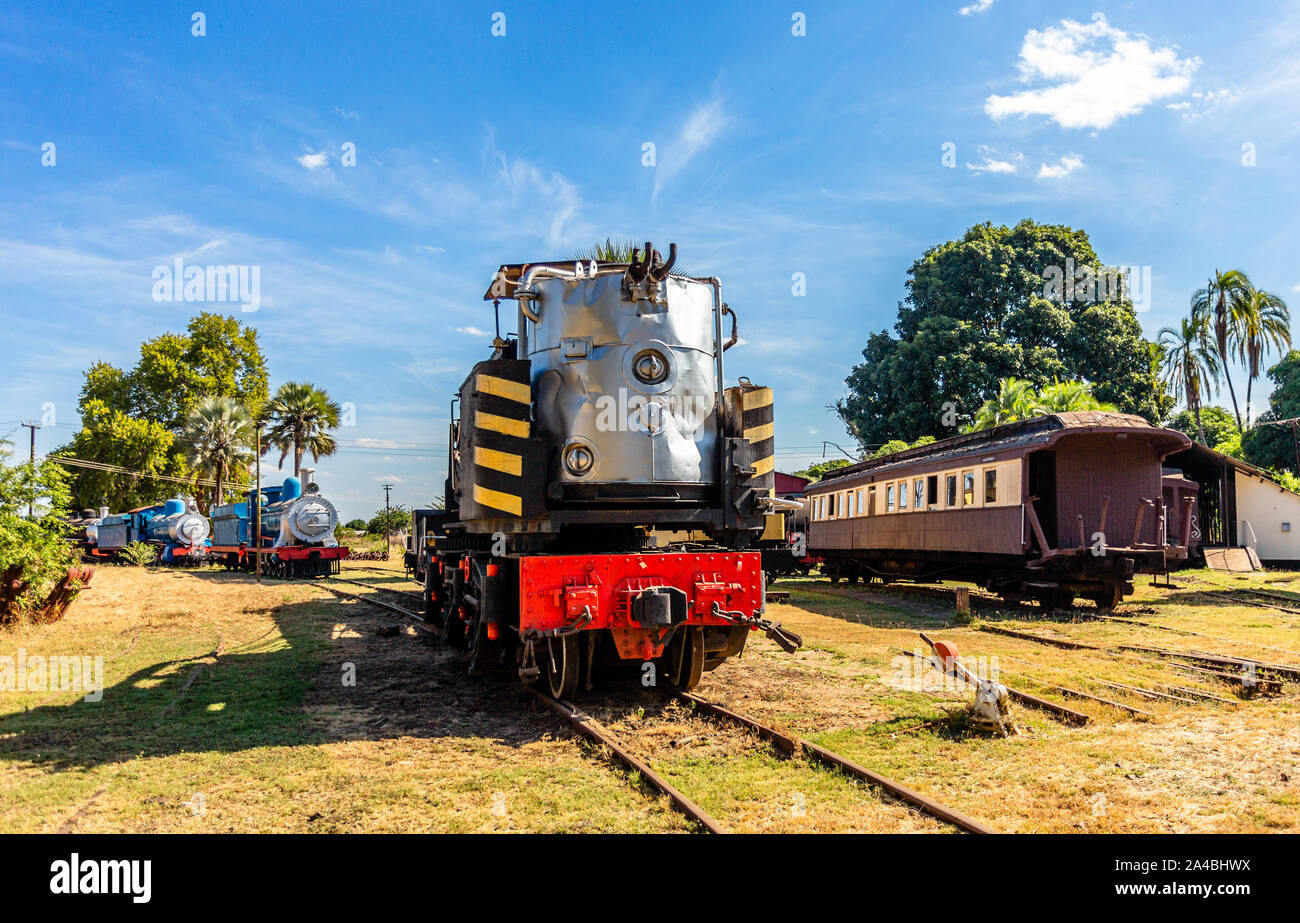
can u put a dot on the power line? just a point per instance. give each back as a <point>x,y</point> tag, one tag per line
<point>118,469</point>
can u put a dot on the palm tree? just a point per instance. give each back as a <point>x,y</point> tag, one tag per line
<point>1068,397</point>
<point>1015,400</point>
<point>1191,362</point>
<point>1260,321</point>
<point>1213,302</point>
<point>217,435</point>
<point>300,416</point>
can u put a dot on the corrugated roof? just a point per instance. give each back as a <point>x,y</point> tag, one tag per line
<point>1018,434</point>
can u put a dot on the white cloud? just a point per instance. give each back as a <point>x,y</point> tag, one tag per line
<point>1199,103</point>
<point>388,479</point>
<point>346,114</point>
<point>1063,167</point>
<point>700,130</point>
<point>979,6</point>
<point>990,165</point>
<point>1099,73</point>
<point>474,331</point>
<point>313,161</point>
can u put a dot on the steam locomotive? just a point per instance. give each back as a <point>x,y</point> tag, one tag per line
<point>297,532</point>
<point>175,527</point>
<point>604,421</point>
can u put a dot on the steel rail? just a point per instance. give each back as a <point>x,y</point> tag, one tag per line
<point>793,744</point>
<point>400,610</point>
<point>581,722</point>
<point>596,732</point>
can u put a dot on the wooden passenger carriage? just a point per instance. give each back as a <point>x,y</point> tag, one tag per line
<point>1053,507</point>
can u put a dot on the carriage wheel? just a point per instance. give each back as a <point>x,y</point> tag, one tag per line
<point>561,661</point>
<point>1109,596</point>
<point>685,658</point>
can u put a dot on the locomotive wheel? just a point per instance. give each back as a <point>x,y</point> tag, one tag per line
<point>563,675</point>
<point>453,629</point>
<point>685,658</point>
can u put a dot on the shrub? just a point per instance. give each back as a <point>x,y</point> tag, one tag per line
<point>139,553</point>
<point>34,553</point>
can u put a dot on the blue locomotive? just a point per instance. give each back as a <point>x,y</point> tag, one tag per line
<point>175,527</point>
<point>297,532</point>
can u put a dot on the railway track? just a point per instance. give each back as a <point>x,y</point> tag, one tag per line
<point>790,745</point>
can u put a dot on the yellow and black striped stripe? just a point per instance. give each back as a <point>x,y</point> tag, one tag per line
<point>757,420</point>
<point>501,463</point>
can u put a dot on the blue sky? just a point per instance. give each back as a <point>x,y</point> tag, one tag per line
<point>821,154</point>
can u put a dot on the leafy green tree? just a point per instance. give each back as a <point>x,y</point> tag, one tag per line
<point>218,436</point>
<point>300,416</point>
<point>34,553</point>
<point>818,471</point>
<point>898,445</point>
<point>1268,444</point>
<point>1191,363</point>
<point>396,519</point>
<point>356,525</point>
<point>125,412</point>
<point>985,308</point>
<point>1215,425</point>
<point>117,438</point>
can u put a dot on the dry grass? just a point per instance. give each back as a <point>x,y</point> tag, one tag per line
<point>225,710</point>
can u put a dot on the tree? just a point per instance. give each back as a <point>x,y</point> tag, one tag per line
<point>1017,400</point>
<point>117,438</point>
<point>898,445</point>
<point>1210,305</point>
<point>394,519</point>
<point>1261,322</point>
<point>1031,302</point>
<point>1268,444</point>
<point>300,416</point>
<point>218,436</point>
<point>1068,397</point>
<point>34,553</point>
<point>1214,426</point>
<point>1191,363</point>
<point>818,471</point>
<point>123,413</point>
<point>356,525</point>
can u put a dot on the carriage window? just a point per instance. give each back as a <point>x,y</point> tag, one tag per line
<point>990,485</point>
<point>902,495</point>
<point>918,494</point>
<point>950,490</point>
<point>968,488</point>
<point>871,501</point>
<point>861,509</point>
<point>889,498</point>
<point>852,506</point>
<point>932,489</point>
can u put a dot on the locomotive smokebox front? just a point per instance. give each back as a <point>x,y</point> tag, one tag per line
<point>626,381</point>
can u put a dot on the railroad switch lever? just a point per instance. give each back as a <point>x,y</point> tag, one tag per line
<point>992,700</point>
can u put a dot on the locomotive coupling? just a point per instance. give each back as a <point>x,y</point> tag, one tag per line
<point>787,640</point>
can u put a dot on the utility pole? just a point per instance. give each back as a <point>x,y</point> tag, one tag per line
<point>257,510</point>
<point>387,489</point>
<point>32,458</point>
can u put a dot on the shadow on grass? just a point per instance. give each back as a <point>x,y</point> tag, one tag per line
<point>285,689</point>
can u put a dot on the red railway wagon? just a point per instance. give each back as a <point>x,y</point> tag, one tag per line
<point>1049,508</point>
